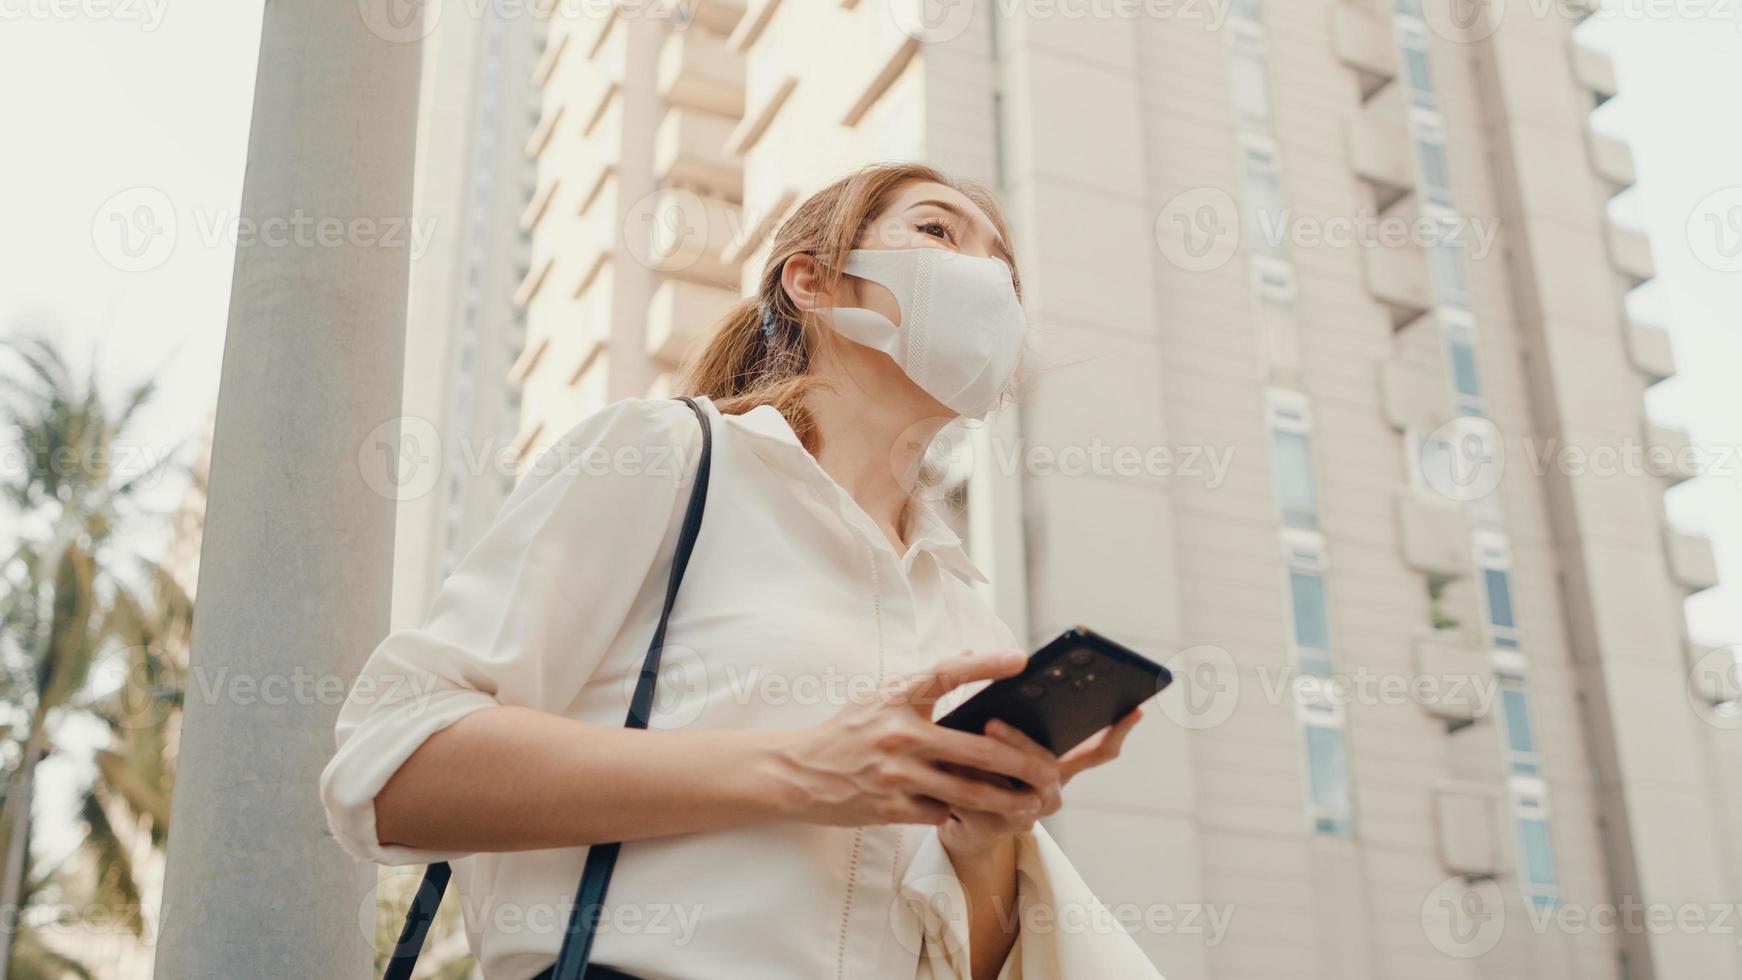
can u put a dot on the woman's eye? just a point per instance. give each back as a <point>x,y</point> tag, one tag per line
<point>935,229</point>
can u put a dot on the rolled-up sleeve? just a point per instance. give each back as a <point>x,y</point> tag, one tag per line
<point>528,614</point>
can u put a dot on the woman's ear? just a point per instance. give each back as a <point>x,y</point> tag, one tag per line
<point>800,277</point>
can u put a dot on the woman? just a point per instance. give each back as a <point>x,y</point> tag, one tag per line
<point>793,812</point>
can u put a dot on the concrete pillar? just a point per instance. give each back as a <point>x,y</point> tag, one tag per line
<point>295,572</point>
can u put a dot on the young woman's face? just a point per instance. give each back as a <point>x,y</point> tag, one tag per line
<point>925,215</point>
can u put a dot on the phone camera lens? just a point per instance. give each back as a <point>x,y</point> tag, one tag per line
<point>1079,684</point>
<point>1081,658</point>
<point>1032,690</point>
<point>1056,673</point>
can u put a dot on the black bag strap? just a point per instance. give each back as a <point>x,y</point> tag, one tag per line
<point>577,947</point>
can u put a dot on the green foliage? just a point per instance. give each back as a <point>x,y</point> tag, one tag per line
<point>76,613</point>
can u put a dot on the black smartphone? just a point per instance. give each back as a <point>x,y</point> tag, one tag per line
<point>1072,688</point>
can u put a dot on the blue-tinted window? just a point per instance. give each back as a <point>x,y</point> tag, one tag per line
<point>1436,176</point>
<point>1421,83</point>
<point>1499,588</point>
<point>1519,737</point>
<point>1312,616</point>
<point>1328,778</point>
<point>1539,871</point>
<point>1294,479</point>
<point>1450,285</point>
<point>1464,374</point>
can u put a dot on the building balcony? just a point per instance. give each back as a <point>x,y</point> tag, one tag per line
<point>680,315</point>
<point>696,70</point>
<point>1398,278</point>
<point>1690,559</point>
<point>1377,141</point>
<point>1365,44</point>
<point>1594,72</point>
<point>1630,254</point>
<point>718,16</point>
<point>689,150</point>
<point>688,234</point>
<point>1612,160</point>
<point>1467,817</point>
<point>1649,348</point>
<point>1413,394</point>
<point>1672,453</point>
<point>1434,536</point>
<point>1451,660</point>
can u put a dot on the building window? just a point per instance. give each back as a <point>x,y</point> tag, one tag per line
<point>1328,779</point>
<point>1312,616</point>
<point>1251,86</point>
<point>1494,558</point>
<point>1536,865</point>
<point>1416,70</point>
<point>1430,152</point>
<point>1292,459</point>
<point>1521,755</point>
<point>1264,208</point>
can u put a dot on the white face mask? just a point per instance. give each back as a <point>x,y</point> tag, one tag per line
<point>962,329</point>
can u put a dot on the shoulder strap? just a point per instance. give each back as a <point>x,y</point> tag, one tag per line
<point>577,947</point>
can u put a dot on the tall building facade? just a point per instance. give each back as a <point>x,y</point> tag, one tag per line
<point>1331,332</point>
<point>477,105</point>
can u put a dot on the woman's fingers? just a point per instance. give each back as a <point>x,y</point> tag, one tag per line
<point>967,793</point>
<point>1101,748</point>
<point>988,753</point>
<point>963,668</point>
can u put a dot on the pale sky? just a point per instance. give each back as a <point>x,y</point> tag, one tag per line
<point>128,94</point>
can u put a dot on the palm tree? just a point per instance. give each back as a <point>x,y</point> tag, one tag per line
<point>74,605</point>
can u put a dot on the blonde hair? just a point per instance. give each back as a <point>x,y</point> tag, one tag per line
<point>742,367</point>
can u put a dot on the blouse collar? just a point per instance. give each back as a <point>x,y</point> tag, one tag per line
<point>927,531</point>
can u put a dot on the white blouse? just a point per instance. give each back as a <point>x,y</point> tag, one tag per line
<point>794,603</point>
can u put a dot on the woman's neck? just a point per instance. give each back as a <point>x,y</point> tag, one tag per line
<point>872,440</point>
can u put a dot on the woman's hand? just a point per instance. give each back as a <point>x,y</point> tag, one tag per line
<point>972,834</point>
<point>886,761</point>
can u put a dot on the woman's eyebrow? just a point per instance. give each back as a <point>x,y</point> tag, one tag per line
<point>997,242</point>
